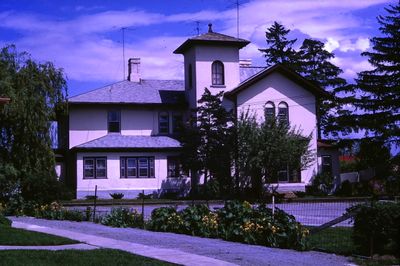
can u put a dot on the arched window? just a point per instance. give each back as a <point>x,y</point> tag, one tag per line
<point>190,76</point>
<point>269,111</point>
<point>217,70</point>
<point>283,112</point>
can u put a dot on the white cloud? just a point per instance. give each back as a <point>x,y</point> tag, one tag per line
<point>79,44</point>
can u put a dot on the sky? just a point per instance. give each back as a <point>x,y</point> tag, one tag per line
<point>84,38</point>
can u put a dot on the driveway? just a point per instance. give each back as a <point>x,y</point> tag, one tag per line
<point>174,246</point>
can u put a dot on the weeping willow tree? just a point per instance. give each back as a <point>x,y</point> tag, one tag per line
<point>38,95</point>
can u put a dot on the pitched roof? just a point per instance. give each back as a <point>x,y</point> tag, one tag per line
<point>249,71</point>
<point>143,92</point>
<point>119,141</point>
<point>308,85</point>
<point>211,38</point>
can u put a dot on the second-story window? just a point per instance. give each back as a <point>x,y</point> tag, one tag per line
<point>283,112</point>
<point>163,123</point>
<point>217,72</point>
<point>114,121</point>
<point>177,120</point>
<point>269,111</point>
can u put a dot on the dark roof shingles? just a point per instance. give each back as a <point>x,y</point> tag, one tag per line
<point>144,92</point>
<point>124,141</point>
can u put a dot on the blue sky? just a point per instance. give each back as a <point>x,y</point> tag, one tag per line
<point>85,38</point>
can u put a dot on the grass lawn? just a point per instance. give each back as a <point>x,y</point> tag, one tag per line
<point>333,240</point>
<point>19,237</point>
<point>74,257</point>
<point>377,262</point>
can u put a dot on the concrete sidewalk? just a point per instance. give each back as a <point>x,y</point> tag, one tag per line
<point>57,247</point>
<point>176,248</point>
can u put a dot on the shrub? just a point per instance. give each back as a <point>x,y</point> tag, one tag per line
<point>91,197</point>
<point>123,217</point>
<point>376,226</point>
<point>4,221</point>
<point>117,195</point>
<point>236,221</point>
<point>165,219</point>
<point>196,220</point>
<point>56,211</point>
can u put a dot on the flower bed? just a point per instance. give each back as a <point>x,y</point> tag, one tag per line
<point>236,221</point>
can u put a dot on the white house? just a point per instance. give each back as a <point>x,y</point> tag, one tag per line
<point>122,137</point>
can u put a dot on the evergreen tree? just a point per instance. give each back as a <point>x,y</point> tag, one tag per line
<point>279,47</point>
<point>314,64</point>
<point>207,141</point>
<point>37,92</point>
<point>378,98</point>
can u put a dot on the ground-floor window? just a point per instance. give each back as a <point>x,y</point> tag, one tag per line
<point>137,167</point>
<point>326,164</point>
<point>175,168</point>
<point>288,174</point>
<point>94,167</point>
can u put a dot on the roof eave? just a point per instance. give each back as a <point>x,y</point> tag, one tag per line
<point>125,149</point>
<point>316,90</point>
<point>189,42</point>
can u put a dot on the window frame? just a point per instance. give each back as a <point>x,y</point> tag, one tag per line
<point>95,167</point>
<point>217,73</point>
<point>124,169</point>
<point>117,121</point>
<point>178,171</point>
<point>175,123</point>
<point>269,108</point>
<point>286,115</point>
<point>160,114</point>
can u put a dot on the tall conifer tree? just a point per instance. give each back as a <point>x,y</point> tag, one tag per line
<point>378,100</point>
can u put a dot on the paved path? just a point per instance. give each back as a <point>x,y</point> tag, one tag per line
<point>180,249</point>
<point>58,247</point>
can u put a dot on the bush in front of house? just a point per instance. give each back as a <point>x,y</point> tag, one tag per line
<point>123,217</point>
<point>117,195</point>
<point>4,221</point>
<point>377,227</point>
<point>236,221</point>
<point>56,211</point>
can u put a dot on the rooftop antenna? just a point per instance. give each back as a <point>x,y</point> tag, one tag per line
<point>237,4</point>
<point>123,50</point>
<point>197,27</point>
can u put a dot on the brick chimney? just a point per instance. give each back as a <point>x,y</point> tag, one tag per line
<point>134,69</point>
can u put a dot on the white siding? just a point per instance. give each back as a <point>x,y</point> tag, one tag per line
<point>302,107</point>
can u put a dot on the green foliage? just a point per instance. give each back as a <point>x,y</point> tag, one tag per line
<point>207,140</point>
<point>236,221</point>
<point>322,185</point>
<point>38,96</point>
<point>4,221</point>
<point>55,211</point>
<point>165,219</point>
<point>265,149</point>
<point>376,226</point>
<point>117,195</point>
<point>376,96</point>
<point>123,217</point>
<point>279,48</point>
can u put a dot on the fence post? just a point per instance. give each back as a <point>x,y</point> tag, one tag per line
<point>143,207</point>
<point>273,205</point>
<point>95,204</point>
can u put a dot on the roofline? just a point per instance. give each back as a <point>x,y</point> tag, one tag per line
<point>310,86</point>
<point>179,105</point>
<point>125,149</point>
<point>189,42</point>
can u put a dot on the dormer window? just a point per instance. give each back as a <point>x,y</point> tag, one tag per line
<point>217,70</point>
<point>163,123</point>
<point>114,121</point>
